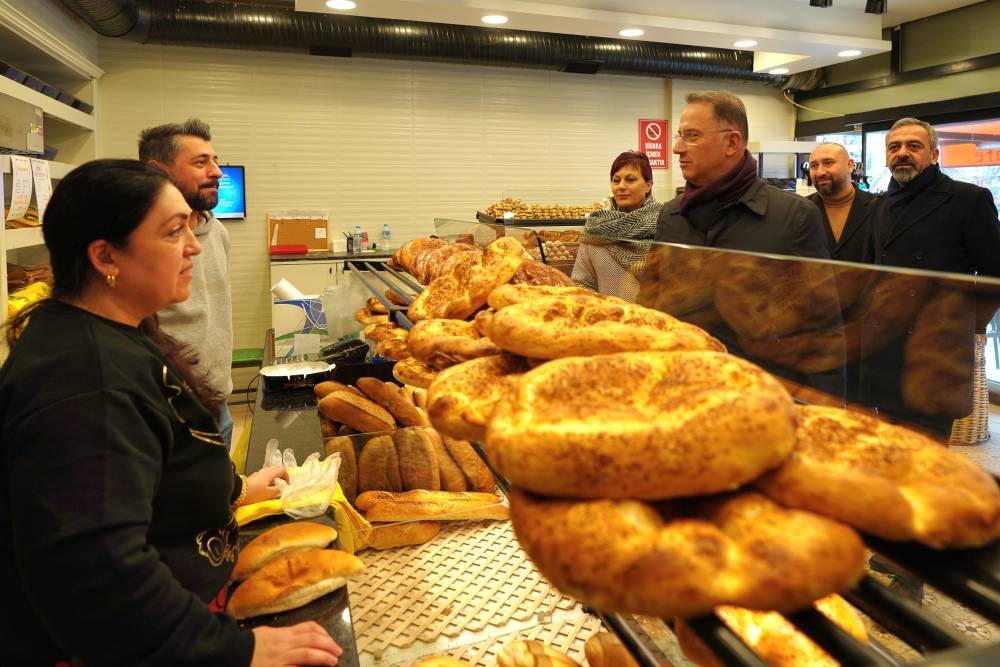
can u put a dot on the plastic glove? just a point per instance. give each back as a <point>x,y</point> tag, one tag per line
<point>309,488</point>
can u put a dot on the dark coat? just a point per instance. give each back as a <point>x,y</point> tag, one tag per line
<point>950,226</point>
<point>851,246</point>
<point>764,219</point>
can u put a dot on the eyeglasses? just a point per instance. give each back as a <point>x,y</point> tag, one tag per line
<point>692,137</point>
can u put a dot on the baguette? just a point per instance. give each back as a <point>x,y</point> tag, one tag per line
<point>293,581</point>
<point>348,473</point>
<point>327,387</point>
<point>475,470</point>
<point>345,430</point>
<point>368,498</point>
<point>452,478</point>
<point>378,466</point>
<point>391,398</point>
<point>438,506</point>
<point>388,536</point>
<point>328,428</point>
<point>418,465</point>
<point>280,541</point>
<point>356,411</point>
<point>531,653</point>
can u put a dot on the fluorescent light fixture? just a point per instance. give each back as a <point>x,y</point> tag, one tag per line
<point>849,53</point>
<point>745,44</point>
<point>631,32</point>
<point>778,70</point>
<point>341,4</point>
<point>494,19</point>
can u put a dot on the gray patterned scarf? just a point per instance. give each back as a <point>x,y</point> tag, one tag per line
<point>609,227</point>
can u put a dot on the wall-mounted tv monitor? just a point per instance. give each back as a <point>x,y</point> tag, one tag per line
<point>232,194</point>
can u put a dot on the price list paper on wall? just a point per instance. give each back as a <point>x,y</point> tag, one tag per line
<point>20,196</point>
<point>43,185</point>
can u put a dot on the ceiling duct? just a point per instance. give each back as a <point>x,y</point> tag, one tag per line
<point>274,24</point>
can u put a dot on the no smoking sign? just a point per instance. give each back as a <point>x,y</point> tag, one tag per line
<point>653,141</point>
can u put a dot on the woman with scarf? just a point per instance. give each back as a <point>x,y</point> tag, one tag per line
<point>616,239</point>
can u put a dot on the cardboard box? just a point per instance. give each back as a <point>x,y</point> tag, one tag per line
<point>310,232</point>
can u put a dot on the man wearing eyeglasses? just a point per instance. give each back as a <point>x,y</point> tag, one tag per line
<point>725,204</point>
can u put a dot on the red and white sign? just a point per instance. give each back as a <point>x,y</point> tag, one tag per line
<point>653,139</point>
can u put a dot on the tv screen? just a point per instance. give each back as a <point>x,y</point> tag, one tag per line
<point>232,194</point>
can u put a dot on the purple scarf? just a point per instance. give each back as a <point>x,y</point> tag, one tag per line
<point>727,189</point>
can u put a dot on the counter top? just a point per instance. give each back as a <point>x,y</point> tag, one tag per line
<point>329,256</point>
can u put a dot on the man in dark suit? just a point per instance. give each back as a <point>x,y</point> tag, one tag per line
<point>927,220</point>
<point>844,208</point>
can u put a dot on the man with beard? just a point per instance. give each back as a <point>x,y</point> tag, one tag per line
<point>844,208</point>
<point>204,323</point>
<point>927,220</point>
<point>725,204</point>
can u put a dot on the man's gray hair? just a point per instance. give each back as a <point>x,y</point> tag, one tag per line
<point>915,121</point>
<point>727,108</point>
<point>161,143</point>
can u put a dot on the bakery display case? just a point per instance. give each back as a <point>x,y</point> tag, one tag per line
<point>549,208</point>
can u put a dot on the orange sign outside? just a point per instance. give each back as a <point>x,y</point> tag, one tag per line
<point>968,155</point>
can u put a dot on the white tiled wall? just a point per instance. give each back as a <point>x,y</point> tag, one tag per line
<point>375,141</point>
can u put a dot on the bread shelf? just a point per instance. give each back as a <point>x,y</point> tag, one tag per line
<point>49,106</point>
<point>27,237</point>
<point>56,169</point>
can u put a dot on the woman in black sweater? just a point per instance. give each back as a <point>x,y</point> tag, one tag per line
<point>116,490</point>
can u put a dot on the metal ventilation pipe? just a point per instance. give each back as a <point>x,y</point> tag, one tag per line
<point>273,24</point>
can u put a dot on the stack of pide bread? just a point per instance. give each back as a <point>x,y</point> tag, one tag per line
<point>653,473</point>
<point>287,567</point>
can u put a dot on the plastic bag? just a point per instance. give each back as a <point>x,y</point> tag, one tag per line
<point>309,488</point>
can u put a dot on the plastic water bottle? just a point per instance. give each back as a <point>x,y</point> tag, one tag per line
<point>357,238</point>
<point>386,236</point>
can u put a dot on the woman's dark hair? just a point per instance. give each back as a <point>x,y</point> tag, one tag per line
<point>103,200</point>
<point>633,159</point>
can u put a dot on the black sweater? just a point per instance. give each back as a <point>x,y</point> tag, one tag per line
<point>115,492</point>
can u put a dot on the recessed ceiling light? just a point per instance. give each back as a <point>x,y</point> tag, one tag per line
<point>778,70</point>
<point>849,53</point>
<point>745,44</point>
<point>341,4</point>
<point>630,32</point>
<point>494,19</point>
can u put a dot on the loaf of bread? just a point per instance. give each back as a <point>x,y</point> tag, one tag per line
<point>327,427</point>
<point>531,653</point>
<point>509,295</point>
<point>390,397</point>
<point>391,535</point>
<point>322,389</point>
<point>452,478</point>
<point>358,412</point>
<point>436,505</point>
<point>280,541</point>
<point>378,466</point>
<point>394,298</point>
<point>364,317</point>
<point>292,581</point>
<point>414,372</point>
<point>603,649</point>
<point>393,348</point>
<point>473,467</point>
<point>442,343</point>
<point>684,558</point>
<point>903,485</point>
<point>375,306</point>
<point>418,464</point>
<point>461,398</point>
<point>347,476</point>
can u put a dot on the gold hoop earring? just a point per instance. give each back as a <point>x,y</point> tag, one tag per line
<point>111,280</point>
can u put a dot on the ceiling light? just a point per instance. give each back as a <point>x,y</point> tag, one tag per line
<point>820,3</point>
<point>849,53</point>
<point>745,44</point>
<point>875,6</point>
<point>630,32</point>
<point>778,70</point>
<point>340,4</point>
<point>494,19</point>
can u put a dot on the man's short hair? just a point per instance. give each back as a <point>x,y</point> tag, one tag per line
<point>727,108</point>
<point>161,143</point>
<point>841,146</point>
<point>931,132</point>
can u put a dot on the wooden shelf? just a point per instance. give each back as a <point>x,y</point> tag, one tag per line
<point>27,237</point>
<point>56,169</point>
<point>48,105</point>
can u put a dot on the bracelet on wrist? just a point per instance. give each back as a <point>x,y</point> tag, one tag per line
<point>243,493</point>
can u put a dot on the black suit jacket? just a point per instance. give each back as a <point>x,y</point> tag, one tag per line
<point>950,226</point>
<point>851,246</point>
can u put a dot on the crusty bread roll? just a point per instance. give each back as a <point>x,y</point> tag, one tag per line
<point>414,372</point>
<point>327,387</point>
<point>902,485</point>
<point>452,478</point>
<point>364,317</point>
<point>442,343</point>
<point>436,505</point>
<point>344,430</point>
<point>441,661</point>
<point>420,397</point>
<point>390,398</point>
<point>407,252</point>
<point>531,653</point>
<point>384,331</point>
<point>418,464</point>
<point>461,398</point>
<point>392,348</point>
<point>328,427</point>
<point>378,466</point>
<point>293,581</point>
<point>640,425</point>
<point>358,412</point>
<point>683,558</point>
<point>603,649</point>
<point>772,637</point>
<point>280,541</point>
<point>563,326</point>
<point>347,476</point>
<point>476,471</point>
<point>394,298</point>
<point>375,306</point>
<point>391,535</point>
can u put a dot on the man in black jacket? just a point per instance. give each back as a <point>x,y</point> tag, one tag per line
<point>844,208</point>
<point>927,220</point>
<point>725,204</point>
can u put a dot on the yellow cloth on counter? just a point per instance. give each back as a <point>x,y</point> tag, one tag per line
<point>351,526</point>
